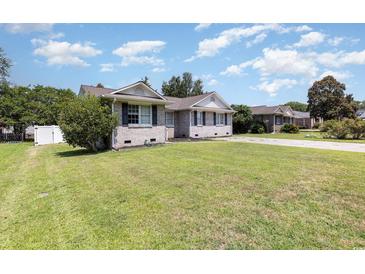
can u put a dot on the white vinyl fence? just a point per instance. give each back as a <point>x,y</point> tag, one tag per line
<point>44,135</point>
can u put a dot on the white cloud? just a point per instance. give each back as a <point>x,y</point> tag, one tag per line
<point>158,69</point>
<point>28,28</point>
<point>140,52</point>
<point>339,75</point>
<point>211,47</point>
<point>258,39</point>
<point>335,41</point>
<point>138,47</point>
<point>310,39</point>
<point>237,69</point>
<point>64,53</point>
<point>57,35</point>
<point>142,60</point>
<point>213,82</point>
<point>202,26</point>
<point>107,67</point>
<point>340,58</point>
<point>273,87</point>
<point>303,28</point>
<point>290,62</point>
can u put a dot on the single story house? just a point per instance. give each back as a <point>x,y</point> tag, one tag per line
<point>303,119</point>
<point>145,116</point>
<point>276,116</point>
<point>361,114</point>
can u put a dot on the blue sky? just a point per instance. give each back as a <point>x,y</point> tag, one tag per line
<point>252,64</point>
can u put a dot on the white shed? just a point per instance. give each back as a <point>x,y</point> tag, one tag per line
<point>44,135</point>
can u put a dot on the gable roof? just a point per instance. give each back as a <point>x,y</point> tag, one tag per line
<point>176,103</point>
<point>186,102</point>
<point>91,90</point>
<point>120,90</point>
<point>270,110</point>
<point>173,103</point>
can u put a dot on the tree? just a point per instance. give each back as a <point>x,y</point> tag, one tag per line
<point>5,64</point>
<point>86,120</point>
<point>360,104</point>
<point>21,106</point>
<point>242,118</point>
<point>182,86</point>
<point>327,99</point>
<point>100,85</point>
<point>198,88</point>
<point>297,106</point>
<point>146,81</point>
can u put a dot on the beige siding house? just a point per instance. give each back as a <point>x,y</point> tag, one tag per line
<point>146,117</point>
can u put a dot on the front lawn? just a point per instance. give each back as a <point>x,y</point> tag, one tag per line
<point>201,195</point>
<point>302,135</point>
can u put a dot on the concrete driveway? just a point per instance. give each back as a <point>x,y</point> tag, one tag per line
<point>354,147</point>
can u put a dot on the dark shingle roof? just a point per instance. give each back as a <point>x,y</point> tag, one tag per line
<point>184,103</point>
<point>268,110</point>
<point>91,90</point>
<point>264,110</point>
<point>301,114</point>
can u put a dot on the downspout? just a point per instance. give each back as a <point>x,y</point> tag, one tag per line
<point>113,131</point>
<point>274,123</point>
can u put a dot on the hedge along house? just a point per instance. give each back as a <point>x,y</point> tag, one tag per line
<point>145,116</point>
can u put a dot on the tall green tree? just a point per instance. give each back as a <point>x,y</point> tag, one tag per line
<point>242,118</point>
<point>327,99</point>
<point>86,121</point>
<point>5,64</point>
<point>21,106</point>
<point>182,86</point>
<point>298,106</point>
<point>146,81</point>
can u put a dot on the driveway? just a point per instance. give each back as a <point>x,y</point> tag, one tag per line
<point>354,147</point>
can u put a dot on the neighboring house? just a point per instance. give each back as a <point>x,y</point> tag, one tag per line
<point>274,117</point>
<point>303,119</point>
<point>361,114</point>
<point>145,116</point>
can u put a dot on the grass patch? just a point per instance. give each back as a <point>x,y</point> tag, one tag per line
<point>302,135</point>
<point>203,195</point>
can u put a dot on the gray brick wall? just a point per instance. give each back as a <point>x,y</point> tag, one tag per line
<point>138,135</point>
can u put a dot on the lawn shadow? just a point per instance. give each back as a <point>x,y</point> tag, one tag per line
<point>78,152</point>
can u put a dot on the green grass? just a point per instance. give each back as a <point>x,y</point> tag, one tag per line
<point>203,195</point>
<point>302,135</point>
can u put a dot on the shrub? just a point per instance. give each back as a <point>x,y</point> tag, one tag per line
<point>242,119</point>
<point>258,127</point>
<point>356,127</point>
<point>86,121</point>
<point>289,128</point>
<point>327,125</point>
<point>336,129</point>
<point>316,125</point>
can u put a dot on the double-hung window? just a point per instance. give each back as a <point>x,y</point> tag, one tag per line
<point>199,118</point>
<point>220,119</point>
<point>139,115</point>
<point>169,118</point>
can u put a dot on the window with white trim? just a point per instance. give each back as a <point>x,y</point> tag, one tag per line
<point>199,118</point>
<point>220,119</point>
<point>139,115</point>
<point>169,118</point>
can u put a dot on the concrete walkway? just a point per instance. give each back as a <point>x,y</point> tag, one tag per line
<point>342,146</point>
